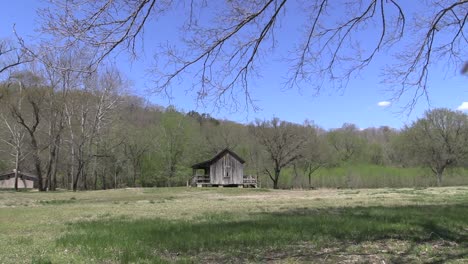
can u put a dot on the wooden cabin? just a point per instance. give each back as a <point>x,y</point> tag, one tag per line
<point>25,180</point>
<point>224,169</point>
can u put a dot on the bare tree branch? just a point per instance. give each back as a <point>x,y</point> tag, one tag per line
<point>11,56</point>
<point>224,43</point>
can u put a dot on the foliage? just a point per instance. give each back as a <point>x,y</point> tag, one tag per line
<point>67,116</point>
<point>282,142</point>
<point>439,140</point>
<point>139,144</point>
<point>83,132</point>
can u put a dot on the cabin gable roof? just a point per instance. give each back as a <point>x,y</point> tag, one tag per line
<point>207,164</point>
<point>21,175</point>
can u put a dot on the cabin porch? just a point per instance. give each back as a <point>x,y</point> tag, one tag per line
<point>204,181</point>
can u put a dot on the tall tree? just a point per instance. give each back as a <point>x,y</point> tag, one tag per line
<point>172,142</point>
<point>88,113</point>
<point>438,140</point>
<point>57,72</point>
<point>34,93</point>
<point>15,136</point>
<point>282,141</point>
<point>316,152</point>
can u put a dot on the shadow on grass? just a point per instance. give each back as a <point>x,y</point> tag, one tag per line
<point>128,240</point>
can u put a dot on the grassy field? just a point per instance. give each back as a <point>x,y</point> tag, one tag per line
<point>221,225</point>
<point>371,176</point>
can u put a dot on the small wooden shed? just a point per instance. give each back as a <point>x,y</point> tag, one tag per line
<point>25,180</point>
<point>224,169</point>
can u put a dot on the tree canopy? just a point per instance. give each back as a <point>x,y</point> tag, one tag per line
<point>438,140</point>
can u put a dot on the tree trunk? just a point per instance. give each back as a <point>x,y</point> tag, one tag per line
<point>37,163</point>
<point>171,175</point>
<point>296,177</point>
<point>439,178</point>
<point>53,160</point>
<point>53,185</point>
<point>75,183</point>
<point>94,172</point>
<point>51,156</point>
<point>38,169</point>
<point>276,179</point>
<point>84,179</point>
<point>438,171</point>
<point>95,177</point>
<point>50,163</point>
<point>134,177</point>
<point>115,178</point>
<point>311,171</point>
<point>136,170</point>
<point>67,178</point>
<point>103,176</point>
<point>72,161</point>
<point>78,173</point>
<point>16,168</point>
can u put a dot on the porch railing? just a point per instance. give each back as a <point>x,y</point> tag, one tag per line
<point>201,179</point>
<point>205,179</point>
<point>248,179</point>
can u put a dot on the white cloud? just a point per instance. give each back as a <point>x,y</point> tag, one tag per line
<point>463,106</point>
<point>384,103</point>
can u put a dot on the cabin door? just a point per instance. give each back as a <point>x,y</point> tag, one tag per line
<point>227,169</point>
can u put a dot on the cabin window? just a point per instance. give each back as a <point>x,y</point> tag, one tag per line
<point>226,167</point>
<point>226,175</point>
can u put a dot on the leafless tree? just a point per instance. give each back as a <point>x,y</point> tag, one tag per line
<point>15,138</point>
<point>225,42</point>
<point>283,143</point>
<point>87,114</point>
<point>16,143</point>
<point>31,120</point>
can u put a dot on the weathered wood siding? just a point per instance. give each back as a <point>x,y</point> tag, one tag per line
<point>227,170</point>
<point>10,183</point>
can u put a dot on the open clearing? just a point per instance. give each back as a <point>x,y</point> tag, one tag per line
<point>221,225</point>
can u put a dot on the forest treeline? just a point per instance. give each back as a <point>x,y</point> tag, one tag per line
<point>85,132</point>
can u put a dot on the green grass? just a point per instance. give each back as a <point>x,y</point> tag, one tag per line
<point>214,225</point>
<point>57,202</point>
<point>225,234</point>
<point>372,176</point>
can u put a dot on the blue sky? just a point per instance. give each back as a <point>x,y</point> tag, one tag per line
<point>357,104</point>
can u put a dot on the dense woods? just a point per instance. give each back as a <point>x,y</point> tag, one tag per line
<point>83,131</point>
<point>68,115</point>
